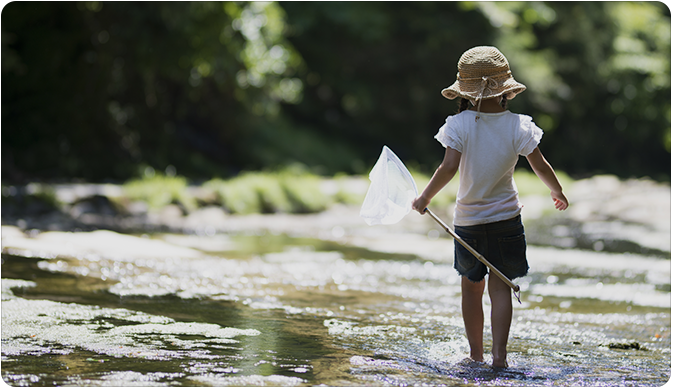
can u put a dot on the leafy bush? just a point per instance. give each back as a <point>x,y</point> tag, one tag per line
<point>304,192</point>
<point>250,193</point>
<point>287,191</point>
<point>160,190</point>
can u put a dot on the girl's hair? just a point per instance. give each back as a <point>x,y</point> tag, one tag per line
<point>465,104</point>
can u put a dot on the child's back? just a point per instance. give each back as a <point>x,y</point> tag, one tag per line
<point>490,149</point>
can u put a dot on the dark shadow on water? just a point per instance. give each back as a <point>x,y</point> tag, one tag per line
<point>260,244</point>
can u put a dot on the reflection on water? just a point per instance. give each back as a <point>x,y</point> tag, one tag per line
<point>274,310</point>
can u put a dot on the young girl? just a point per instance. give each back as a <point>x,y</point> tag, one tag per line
<point>484,143</point>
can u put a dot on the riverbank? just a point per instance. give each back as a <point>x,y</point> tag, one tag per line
<point>606,214</point>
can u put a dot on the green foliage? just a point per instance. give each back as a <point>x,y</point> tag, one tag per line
<point>251,193</point>
<point>378,80</point>
<point>598,77</point>
<point>235,195</point>
<point>158,190</point>
<point>304,193</point>
<point>96,90</point>
<point>286,191</point>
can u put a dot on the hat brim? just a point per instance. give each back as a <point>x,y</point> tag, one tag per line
<point>510,88</point>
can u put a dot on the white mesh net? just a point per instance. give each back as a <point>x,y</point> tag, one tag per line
<point>391,191</point>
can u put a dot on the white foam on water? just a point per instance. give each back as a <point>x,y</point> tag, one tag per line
<point>128,378</point>
<point>42,327</point>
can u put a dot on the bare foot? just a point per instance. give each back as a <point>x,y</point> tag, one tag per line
<point>471,363</point>
<point>500,364</point>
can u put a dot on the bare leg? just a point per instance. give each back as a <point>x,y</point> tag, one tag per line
<point>501,318</point>
<point>473,316</point>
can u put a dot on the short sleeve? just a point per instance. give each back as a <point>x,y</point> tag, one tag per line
<point>529,136</point>
<point>448,135</point>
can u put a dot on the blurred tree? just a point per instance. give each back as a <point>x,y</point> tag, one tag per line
<point>111,90</point>
<point>375,71</point>
<point>105,90</point>
<point>598,77</point>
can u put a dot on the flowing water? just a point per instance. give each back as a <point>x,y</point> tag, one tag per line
<point>264,309</point>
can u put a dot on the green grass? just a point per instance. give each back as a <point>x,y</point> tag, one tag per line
<point>160,190</point>
<point>291,190</point>
<point>286,191</point>
<point>303,191</point>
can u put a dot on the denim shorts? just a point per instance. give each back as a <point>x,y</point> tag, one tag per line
<point>502,243</point>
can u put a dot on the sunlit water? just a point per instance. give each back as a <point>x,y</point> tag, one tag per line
<point>104,309</point>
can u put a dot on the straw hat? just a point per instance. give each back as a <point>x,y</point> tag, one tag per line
<point>483,72</point>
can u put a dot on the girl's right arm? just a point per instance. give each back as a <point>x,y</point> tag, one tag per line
<point>545,172</point>
<point>444,173</point>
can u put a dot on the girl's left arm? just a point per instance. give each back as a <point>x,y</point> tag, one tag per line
<point>444,173</point>
<point>546,173</point>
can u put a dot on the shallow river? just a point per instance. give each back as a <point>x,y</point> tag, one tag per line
<point>105,309</point>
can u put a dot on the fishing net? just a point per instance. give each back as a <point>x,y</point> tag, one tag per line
<point>389,198</point>
<point>391,191</point>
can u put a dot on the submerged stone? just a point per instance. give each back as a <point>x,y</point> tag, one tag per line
<point>625,346</point>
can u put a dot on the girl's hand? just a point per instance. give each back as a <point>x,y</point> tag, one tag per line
<point>420,204</point>
<point>560,200</point>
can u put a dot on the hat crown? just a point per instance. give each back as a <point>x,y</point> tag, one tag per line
<point>482,61</point>
<point>483,72</point>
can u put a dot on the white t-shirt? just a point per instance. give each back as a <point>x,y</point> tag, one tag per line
<point>490,149</point>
